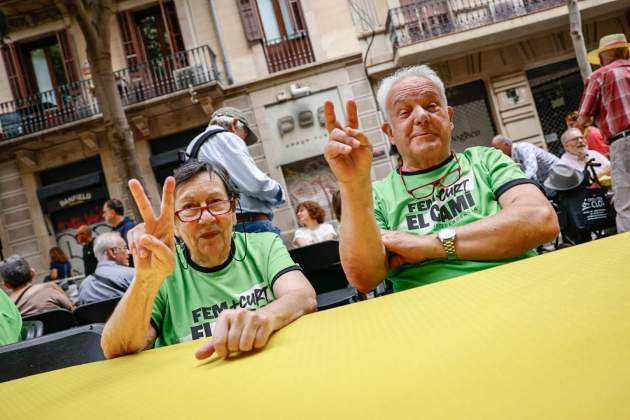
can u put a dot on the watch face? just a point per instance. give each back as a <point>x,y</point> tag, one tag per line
<point>446,234</point>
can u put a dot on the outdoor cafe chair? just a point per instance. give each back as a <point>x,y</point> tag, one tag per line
<point>95,312</point>
<point>322,267</point>
<point>54,320</point>
<point>72,347</point>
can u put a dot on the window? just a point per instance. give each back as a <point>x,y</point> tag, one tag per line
<point>280,18</point>
<point>40,66</point>
<point>150,34</point>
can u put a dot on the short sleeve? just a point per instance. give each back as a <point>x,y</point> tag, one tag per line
<point>379,213</point>
<point>328,229</point>
<point>502,172</point>
<point>278,260</point>
<point>299,234</point>
<point>10,321</point>
<point>159,308</point>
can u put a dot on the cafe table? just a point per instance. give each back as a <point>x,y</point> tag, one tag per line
<point>543,338</point>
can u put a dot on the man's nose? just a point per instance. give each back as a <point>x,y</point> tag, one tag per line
<point>420,115</point>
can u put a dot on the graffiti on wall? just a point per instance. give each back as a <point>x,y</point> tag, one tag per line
<point>311,179</point>
<point>66,223</point>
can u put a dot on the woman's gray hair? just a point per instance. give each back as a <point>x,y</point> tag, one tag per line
<point>422,71</point>
<point>225,122</point>
<point>192,167</point>
<point>15,271</point>
<point>104,242</point>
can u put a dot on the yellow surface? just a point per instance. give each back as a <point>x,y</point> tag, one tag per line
<point>545,338</point>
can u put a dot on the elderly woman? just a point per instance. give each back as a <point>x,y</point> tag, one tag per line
<point>311,217</point>
<point>211,281</point>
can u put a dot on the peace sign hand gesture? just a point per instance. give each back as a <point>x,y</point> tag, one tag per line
<point>348,151</point>
<point>152,243</point>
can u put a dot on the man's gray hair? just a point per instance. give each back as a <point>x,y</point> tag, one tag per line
<point>15,271</point>
<point>225,122</point>
<point>422,71</point>
<point>503,139</point>
<point>565,136</point>
<point>104,242</point>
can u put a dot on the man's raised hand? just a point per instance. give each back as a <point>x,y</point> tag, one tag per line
<point>348,151</point>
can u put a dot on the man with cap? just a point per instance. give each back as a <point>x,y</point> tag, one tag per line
<point>227,147</point>
<point>607,97</point>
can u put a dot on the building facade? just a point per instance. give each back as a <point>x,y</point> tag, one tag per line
<point>175,62</point>
<point>509,65</point>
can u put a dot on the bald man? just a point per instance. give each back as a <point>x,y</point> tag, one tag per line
<point>85,238</point>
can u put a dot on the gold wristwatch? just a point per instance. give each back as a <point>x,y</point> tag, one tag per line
<point>447,237</point>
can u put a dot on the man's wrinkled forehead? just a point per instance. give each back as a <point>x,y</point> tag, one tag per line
<point>413,87</point>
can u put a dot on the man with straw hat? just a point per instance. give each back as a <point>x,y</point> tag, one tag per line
<point>607,97</point>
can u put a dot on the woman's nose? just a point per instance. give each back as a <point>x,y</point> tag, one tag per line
<point>206,216</point>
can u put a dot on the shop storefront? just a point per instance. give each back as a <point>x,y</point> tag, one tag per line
<point>556,89</point>
<point>70,202</point>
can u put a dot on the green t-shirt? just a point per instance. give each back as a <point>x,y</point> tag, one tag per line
<point>190,300</point>
<point>10,321</point>
<point>486,173</point>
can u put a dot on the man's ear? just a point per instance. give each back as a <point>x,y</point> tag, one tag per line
<point>387,129</point>
<point>233,125</point>
<point>110,254</point>
<point>33,274</point>
<point>451,113</point>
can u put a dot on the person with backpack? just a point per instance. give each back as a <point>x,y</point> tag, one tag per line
<point>113,274</point>
<point>224,143</point>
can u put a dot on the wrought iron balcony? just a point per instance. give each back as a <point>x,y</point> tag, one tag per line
<point>76,101</point>
<point>288,51</point>
<point>426,19</point>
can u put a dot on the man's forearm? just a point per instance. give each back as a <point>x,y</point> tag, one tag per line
<point>362,252</point>
<point>126,330</point>
<point>506,234</point>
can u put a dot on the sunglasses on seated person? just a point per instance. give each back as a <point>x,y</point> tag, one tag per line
<point>217,208</point>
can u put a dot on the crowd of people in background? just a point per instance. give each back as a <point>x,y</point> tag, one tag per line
<point>212,263</point>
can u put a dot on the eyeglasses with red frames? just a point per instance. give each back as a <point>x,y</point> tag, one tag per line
<point>427,190</point>
<point>193,214</point>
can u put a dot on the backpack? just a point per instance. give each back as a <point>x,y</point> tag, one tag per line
<point>184,157</point>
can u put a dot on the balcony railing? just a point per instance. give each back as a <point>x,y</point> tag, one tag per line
<point>426,19</point>
<point>75,101</point>
<point>288,51</point>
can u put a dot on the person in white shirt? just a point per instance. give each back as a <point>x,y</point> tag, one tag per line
<point>577,154</point>
<point>311,217</point>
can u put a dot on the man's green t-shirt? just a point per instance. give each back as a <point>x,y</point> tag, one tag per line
<point>486,173</point>
<point>10,321</point>
<point>190,300</point>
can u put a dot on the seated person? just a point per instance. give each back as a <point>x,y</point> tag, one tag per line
<point>534,161</point>
<point>594,137</point>
<point>311,216</point>
<point>113,274</point>
<point>60,267</point>
<point>440,214</point>
<point>577,154</point>
<point>10,321</point>
<point>236,287</point>
<point>30,298</point>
